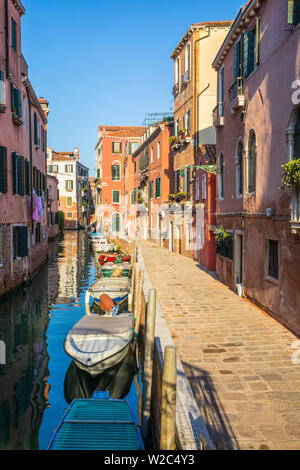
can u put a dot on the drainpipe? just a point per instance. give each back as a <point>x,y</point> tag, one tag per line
<point>6,40</point>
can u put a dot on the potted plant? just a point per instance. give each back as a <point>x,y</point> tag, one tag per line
<point>291,173</point>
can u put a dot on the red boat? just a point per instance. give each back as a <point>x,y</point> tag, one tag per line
<point>111,257</point>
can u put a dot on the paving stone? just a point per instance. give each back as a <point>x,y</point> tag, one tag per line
<point>238,360</point>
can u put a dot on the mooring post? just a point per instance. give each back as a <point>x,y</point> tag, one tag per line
<point>168,403</point>
<point>138,301</point>
<point>148,361</point>
<point>87,303</point>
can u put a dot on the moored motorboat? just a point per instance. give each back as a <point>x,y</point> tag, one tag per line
<point>98,342</point>
<point>116,288</point>
<point>112,258</point>
<point>115,270</point>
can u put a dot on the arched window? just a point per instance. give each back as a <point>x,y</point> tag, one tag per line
<point>252,162</point>
<point>187,65</point>
<point>239,168</point>
<point>177,71</point>
<point>116,222</point>
<point>293,135</point>
<point>221,176</point>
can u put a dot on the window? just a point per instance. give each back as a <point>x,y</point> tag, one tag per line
<point>187,123</point>
<point>293,12</point>
<point>151,189</point>
<point>203,186</point>
<point>224,247</point>
<point>69,185</point>
<point>116,172</point>
<point>151,155</point>
<point>69,202</point>
<point>133,197</point>
<point>69,215</point>
<point>2,88</point>
<point>116,222</point>
<point>3,170</point>
<point>27,178</point>
<point>158,149</point>
<point>24,111</point>
<point>272,260</point>
<point>13,34</point>
<point>133,147</point>
<point>177,181</point>
<point>16,105</point>
<point>239,168</point>
<point>221,176</point>
<point>116,197</point>
<point>98,172</point>
<point>157,187</point>
<point>251,49</point>
<point>252,162</point>
<point>20,241</point>
<point>188,179</point>
<point>221,92</point>
<point>177,71</point>
<point>116,147</point>
<point>38,233</point>
<point>197,190</point>
<point>68,168</point>
<point>18,174</point>
<point>187,62</point>
<point>36,130</point>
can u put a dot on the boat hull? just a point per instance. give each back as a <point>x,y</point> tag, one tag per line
<point>98,342</point>
<point>111,257</point>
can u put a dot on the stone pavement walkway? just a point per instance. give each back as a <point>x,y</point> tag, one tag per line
<point>238,360</point>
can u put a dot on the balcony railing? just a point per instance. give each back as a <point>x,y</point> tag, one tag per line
<point>218,115</point>
<point>236,94</point>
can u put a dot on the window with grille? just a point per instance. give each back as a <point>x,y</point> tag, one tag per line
<point>272,261</point>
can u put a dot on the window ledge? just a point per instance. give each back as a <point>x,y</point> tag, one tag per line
<point>272,280</point>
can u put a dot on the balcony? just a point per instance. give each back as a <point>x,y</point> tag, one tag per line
<point>236,95</point>
<point>218,115</point>
<point>295,213</point>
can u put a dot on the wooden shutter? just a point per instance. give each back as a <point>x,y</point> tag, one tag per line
<point>27,182</point>
<point>22,176</point>
<point>14,171</point>
<point>3,170</point>
<point>22,241</point>
<point>13,34</point>
<point>248,63</point>
<point>293,12</point>
<point>236,61</point>
<point>35,124</point>
<point>118,172</point>
<point>257,40</point>
<point>2,88</point>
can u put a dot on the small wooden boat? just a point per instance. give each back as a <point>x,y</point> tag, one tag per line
<point>113,257</point>
<point>117,288</point>
<point>98,423</point>
<point>100,244</point>
<point>115,270</point>
<point>98,342</point>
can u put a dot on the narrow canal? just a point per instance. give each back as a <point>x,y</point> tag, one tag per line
<point>37,378</point>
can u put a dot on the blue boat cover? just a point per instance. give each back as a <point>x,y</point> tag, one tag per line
<point>97,424</point>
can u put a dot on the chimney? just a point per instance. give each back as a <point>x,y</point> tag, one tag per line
<point>45,105</point>
<point>76,153</point>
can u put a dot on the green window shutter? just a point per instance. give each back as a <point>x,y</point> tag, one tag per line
<point>130,148</point>
<point>98,172</point>
<point>257,41</point>
<point>116,197</point>
<point>3,170</point>
<point>27,187</point>
<point>248,65</point>
<point>19,103</point>
<point>12,97</point>
<point>14,171</point>
<point>13,34</point>
<point>113,172</point>
<point>118,172</point>
<point>235,61</point>
<point>66,168</point>
<point>22,242</point>
<point>35,129</point>
<point>157,188</point>
<point>293,12</point>
<point>21,176</point>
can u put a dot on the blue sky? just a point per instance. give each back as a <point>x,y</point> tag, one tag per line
<point>106,62</point>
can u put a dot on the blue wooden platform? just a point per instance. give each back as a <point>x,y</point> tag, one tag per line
<point>97,423</point>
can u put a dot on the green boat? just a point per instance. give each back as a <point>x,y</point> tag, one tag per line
<point>115,270</point>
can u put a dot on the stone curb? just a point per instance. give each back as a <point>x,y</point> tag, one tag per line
<point>190,428</point>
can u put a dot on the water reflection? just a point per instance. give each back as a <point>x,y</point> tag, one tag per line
<point>37,378</point>
<point>24,364</point>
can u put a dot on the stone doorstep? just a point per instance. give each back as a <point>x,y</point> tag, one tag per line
<point>189,423</point>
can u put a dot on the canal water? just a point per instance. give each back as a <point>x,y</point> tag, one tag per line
<point>38,379</point>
